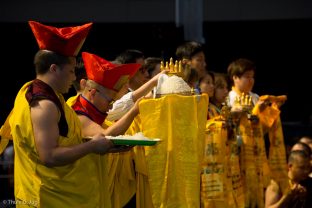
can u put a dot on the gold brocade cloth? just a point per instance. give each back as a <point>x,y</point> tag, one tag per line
<point>173,166</point>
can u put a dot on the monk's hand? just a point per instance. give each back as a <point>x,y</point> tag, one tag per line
<point>101,145</point>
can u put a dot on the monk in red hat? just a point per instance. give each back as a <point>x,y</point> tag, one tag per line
<point>104,81</point>
<point>53,167</point>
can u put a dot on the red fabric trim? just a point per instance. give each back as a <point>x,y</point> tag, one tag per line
<point>84,107</point>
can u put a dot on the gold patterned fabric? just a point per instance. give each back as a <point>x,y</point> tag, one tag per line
<point>214,167</point>
<point>236,198</point>
<point>277,151</point>
<point>173,166</point>
<point>221,179</point>
<point>254,164</point>
<point>277,154</point>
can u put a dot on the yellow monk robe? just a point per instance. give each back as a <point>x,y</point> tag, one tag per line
<point>101,162</point>
<point>121,181</point>
<point>143,192</point>
<point>72,100</point>
<point>254,164</point>
<point>174,165</point>
<point>116,174</point>
<point>5,134</point>
<point>72,185</point>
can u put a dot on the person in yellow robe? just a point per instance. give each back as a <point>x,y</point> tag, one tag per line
<point>116,171</point>
<point>256,116</point>
<point>104,79</point>
<point>52,163</point>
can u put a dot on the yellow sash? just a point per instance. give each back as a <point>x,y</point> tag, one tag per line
<point>254,163</point>
<point>72,100</point>
<point>235,182</point>
<point>270,118</point>
<point>214,172</point>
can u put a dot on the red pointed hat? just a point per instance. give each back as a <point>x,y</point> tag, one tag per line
<point>107,74</point>
<point>66,41</point>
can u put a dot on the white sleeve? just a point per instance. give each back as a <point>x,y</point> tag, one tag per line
<point>120,107</point>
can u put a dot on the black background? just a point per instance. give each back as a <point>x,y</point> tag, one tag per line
<point>281,50</point>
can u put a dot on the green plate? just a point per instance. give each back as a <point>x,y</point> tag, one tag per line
<point>150,142</point>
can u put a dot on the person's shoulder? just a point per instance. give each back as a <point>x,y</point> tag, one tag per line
<point>46,103</point>
<point>273,186</point>
<point>44,107</point>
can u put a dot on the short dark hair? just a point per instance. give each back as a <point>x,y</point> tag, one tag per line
<point>150,63</point>
<point>129,56</point>
<point>45,58</point>
<point>80,73</point>
<point>239,67</point>
<point>188,49</point>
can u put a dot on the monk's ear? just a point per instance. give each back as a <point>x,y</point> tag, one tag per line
<point>83,83</point>
<point>54,68</point>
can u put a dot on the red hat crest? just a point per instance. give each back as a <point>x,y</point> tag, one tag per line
<point>66,41</point>
<point>107,74</point>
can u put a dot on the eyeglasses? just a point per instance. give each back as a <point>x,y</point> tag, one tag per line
<point>108,99</point>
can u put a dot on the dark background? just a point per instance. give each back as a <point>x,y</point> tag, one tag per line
<point>281,50</point>
<point>275,34</point>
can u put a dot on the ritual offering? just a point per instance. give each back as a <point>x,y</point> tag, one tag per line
<point>176,68</point>
<point>172,85</point>
<point>136,139</point>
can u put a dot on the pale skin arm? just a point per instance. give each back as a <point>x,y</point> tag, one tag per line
<point>45,116</point>
<point>90,128</point>
<point>147,87</point>
<point>121,126</point>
